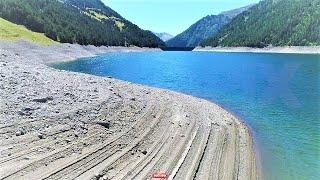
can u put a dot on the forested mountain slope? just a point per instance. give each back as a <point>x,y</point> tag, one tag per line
<point>273,22</point>
<point>204,28</point>
<point>77,21</point>
<point>196,33</point>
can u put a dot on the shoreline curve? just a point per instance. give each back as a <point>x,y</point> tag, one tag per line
<point>58,124</point>
<point>276,50</point>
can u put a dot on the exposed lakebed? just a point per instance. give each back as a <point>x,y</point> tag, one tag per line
<point>277,95</point>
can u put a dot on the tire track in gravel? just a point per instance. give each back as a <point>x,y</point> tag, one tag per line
<point>148,129</point>
<point>192,156</point>
<point>170,152</point>
<point>59,154</point>
<point>90,161</point>
<point>135,156</point>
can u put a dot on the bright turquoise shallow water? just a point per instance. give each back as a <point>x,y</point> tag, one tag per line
<point>277,95</point>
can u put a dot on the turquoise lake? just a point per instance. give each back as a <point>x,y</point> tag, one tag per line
<point>277,95</point>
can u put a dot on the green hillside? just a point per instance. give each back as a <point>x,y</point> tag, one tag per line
<point>273,22</point>
<point>204,28</point>
<point>10,31</point>
<point>199,31</point>
<point>77,21</point>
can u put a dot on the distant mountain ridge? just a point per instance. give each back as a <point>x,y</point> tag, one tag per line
<point>235,12</point>
<point>77,21</point>
<point>164,36</point>
<point>204,28</point>
<point>273,23</point>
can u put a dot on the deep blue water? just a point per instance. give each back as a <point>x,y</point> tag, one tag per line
<point>277,95</point>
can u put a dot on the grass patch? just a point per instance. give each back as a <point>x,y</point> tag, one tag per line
<point>98,16</point>
<point>14,32</point>
<point>119,25</point>
<point>101,17</point>
<point>95,15</point>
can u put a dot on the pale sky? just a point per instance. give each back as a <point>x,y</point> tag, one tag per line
<point>171,16</point>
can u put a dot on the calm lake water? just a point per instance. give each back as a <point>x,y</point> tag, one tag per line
<point>277,95</point>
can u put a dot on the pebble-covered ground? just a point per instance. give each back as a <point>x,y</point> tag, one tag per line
<point>63,125</point>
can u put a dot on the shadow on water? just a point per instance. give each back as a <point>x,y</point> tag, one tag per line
<point>177,48</point>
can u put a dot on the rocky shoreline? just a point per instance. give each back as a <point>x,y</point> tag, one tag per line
<point>57,124</point>
<point>284,50</point>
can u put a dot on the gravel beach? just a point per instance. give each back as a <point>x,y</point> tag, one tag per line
<point>284,49</point>
<point>64,125</point>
